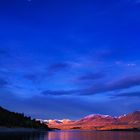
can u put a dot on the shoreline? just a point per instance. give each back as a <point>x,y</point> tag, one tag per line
<point>6,129</point>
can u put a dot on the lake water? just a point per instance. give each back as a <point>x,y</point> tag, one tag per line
<point>71,135</point>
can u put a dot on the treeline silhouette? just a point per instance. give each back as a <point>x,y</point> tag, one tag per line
<point>13,120</point>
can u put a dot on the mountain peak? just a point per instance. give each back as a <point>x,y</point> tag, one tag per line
<point>101,122</point>
<point>96,115</point>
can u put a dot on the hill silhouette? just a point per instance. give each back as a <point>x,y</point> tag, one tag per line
<point>19,120</point>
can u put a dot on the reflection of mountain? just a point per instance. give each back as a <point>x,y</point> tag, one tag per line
<point>100,122</point>
<point>92,135</point>
<point>71,135</point>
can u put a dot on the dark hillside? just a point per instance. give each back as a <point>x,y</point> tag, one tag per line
<point>13,120</point>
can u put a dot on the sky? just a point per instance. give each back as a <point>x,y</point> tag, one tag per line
<point>70,58</point>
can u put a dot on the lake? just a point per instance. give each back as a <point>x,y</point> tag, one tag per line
<point>71,135</point>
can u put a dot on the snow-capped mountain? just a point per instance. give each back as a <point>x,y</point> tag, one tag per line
<point>130,118</point>
<point>99,122</point>
<point>96,115</point>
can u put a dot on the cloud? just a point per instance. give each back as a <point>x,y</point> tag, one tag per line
<point>59,92</point>
<point>111,54</point>
<point>35,78</point>
<point>91,76</point>
<point>58,66</point>
<point>121,63</point>
<point>73,107</point>
<point>3,83</point>
<point>31,77</point>
<point>65,107</point>
<point>45,107</point>
<point>123,83</point>
<point>131,65</point>
<point>128,94</point>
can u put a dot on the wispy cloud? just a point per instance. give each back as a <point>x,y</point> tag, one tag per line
<point>35,78</point>
<point>123,83</point>
<point>57,67</point>
<point>126,64</point>
<point>3,83</point>
<point>51,70</point>
<point>32,77</point>
<point>58,92</point>
<point>91,76</point>
<point>127,94</point>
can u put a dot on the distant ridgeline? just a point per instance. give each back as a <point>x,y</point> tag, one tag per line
<point>13,120</point>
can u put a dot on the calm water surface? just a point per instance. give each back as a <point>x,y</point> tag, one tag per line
<point>71,135</point>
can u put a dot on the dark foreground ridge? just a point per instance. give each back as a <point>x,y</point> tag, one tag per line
<point>19,120</point>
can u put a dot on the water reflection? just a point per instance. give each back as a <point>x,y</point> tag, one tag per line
<point>23,136</point>
<point>92,135</point>
<point>71,135</point>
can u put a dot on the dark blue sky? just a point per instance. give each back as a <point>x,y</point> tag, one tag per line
<point>70,58</point>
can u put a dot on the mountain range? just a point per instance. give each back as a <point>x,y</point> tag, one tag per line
<point>99,122</point>
<point>91,122</point>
